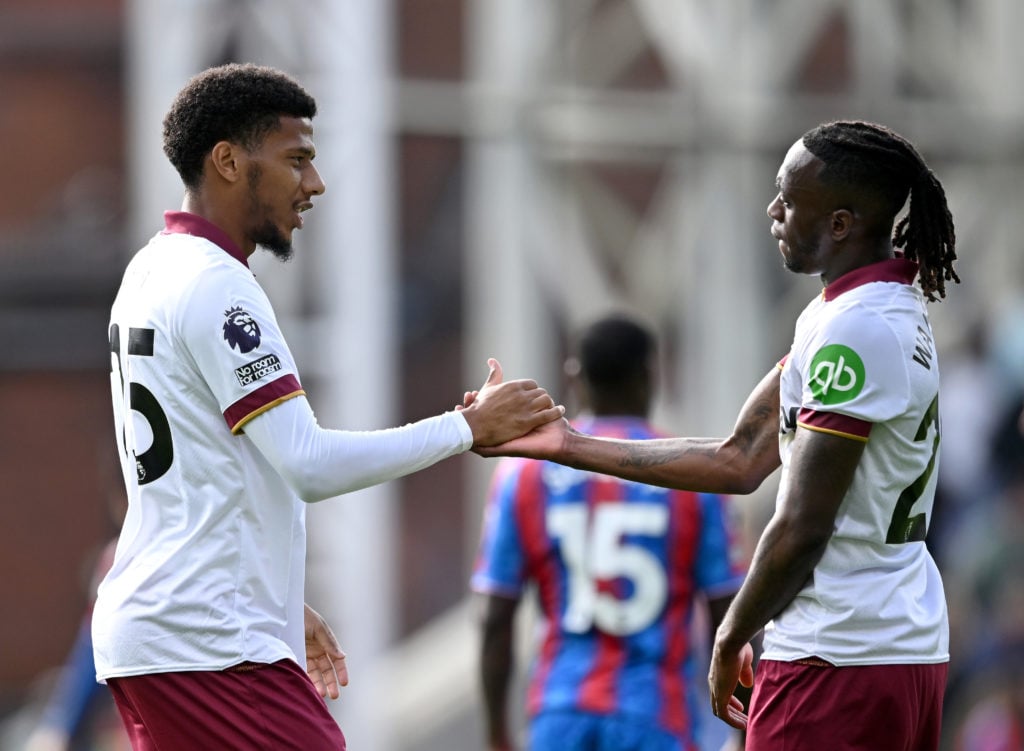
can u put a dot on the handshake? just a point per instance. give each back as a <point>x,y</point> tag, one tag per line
<point>513,418</point>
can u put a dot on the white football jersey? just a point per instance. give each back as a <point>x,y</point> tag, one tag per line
<point>863,364</point>
<point>209,569</point>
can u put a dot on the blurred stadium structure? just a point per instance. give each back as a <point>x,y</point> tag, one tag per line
<point>498,171</point>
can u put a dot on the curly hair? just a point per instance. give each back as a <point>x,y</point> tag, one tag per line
<point>240,103</point>
<point>874,158</point>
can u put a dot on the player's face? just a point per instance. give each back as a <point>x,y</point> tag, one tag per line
<point>799,213</point>
<point>282,180</point>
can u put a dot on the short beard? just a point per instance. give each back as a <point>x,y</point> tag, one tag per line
<point>269,238</point>
<point>267,235</point>
<point>799,256</point>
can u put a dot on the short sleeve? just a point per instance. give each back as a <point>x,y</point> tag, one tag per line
<point>501,562</point>
<point>232,334</point>
<point>855,366</point>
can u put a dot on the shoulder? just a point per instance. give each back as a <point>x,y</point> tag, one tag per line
<point>855,327</point>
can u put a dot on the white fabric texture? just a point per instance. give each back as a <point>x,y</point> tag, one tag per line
<point>870,600</point>
<point>318,463</point>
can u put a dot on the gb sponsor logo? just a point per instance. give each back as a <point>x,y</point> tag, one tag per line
<point>837,374</point>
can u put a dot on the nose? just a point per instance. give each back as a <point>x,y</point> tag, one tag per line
<point>314,183</point>
<point>775,209</point>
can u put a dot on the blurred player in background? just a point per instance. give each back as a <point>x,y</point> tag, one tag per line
<point>856,634</point>
<point>619,568</point>
<point>79,712</point>
<point>200,627</point>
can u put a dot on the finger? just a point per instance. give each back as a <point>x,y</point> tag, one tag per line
<point>330,681</point>
<point>341,669</point>
<point>544,416</point>
<point>525,384</point>
<point>331,648</point>
<point>494,377</point>
<point>542,401</point>
<point>735,715</point>
<point>316,676</point>
<point>732,714</point>
<point>327,676</point>
<point>326,639</point>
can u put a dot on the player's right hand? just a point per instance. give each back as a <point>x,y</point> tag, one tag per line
<point>504,410</point>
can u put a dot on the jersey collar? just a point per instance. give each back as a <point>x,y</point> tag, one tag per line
<point>184,223</point>
<point>890,270</point>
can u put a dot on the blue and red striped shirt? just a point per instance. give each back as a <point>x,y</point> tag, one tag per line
<point>617,566</point>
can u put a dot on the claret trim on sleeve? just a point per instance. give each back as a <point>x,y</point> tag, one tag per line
<point>835,423</point>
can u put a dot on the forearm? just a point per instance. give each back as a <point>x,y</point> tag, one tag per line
<point>495,676</point>
<point>782,564</point>
<point>689,463</point>
<point>734,465</point>
<point>320,463</point>
<point>821,470</point>
<point>718,607</point>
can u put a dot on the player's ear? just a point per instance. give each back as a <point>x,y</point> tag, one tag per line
<point>842,224</point>
<point>224,157</point>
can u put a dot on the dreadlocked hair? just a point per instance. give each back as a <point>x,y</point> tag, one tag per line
<point>873,157</point>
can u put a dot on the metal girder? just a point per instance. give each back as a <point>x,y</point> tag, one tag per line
<point>732,100</point>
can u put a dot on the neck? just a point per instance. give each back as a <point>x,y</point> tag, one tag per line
<point>852,259</point>
<point>214,212</point>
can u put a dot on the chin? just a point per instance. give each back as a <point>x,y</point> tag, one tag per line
<point>274,241</point>
<point>282,251</point>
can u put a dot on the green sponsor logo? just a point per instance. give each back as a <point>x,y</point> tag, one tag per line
<point>837,374</point>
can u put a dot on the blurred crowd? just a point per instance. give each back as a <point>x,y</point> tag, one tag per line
<point>977,536</point>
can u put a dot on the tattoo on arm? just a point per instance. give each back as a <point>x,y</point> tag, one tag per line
<point>755,426</point>
<point>642,456</point>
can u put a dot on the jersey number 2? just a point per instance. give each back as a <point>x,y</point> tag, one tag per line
<point>904,527</point>
<point>154,462</point>
<point>594,549</point>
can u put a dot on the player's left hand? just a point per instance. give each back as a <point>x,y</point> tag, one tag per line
<point>727,670</point>
<point>325,661</point>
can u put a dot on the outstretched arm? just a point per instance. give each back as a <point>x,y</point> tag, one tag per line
<point>319,463</point>
<point>734,465</point>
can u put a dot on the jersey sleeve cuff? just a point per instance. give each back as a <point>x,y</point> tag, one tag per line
<point>835,423</point>
<point>465,432</point>
<point>259,401</point>
<point>485,585</point>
